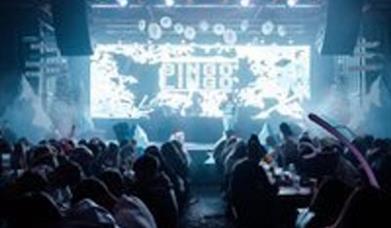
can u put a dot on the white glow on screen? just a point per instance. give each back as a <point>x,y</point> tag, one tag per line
<point>245,3</point>
<point>169,2</point>
<point>292,3</point>
<point>122,3</point>
<point>187,80</point>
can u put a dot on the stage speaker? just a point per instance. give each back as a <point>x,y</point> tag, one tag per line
<point>342,27</point>
<point>71,27</point>
<point>9,40</point>
<point>123,131</point>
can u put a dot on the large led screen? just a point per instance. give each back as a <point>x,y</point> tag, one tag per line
<point>136,80</point>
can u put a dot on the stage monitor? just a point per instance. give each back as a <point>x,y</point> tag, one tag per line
<point>133,81</point>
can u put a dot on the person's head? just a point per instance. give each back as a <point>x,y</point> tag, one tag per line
<point>229,133</point>
<point>111,157</point>
<point>152,150</point>
<point>255,149</point>
<point>155,152</point>
<point>95,190</point>
<point>28,182</point>
<point>286,130</point>
<point>133,142</point>
<point>127,156</point>
<point>41,155</point>
<point>305,137</point>
<point>271,141</point>
<point>18,158</point>
<point>82,142</point>
<point>114,181</point>
<point>68,174</point>
<point>113,147</point>
<point>82,156</point>
<point>55,146</point>
<point>68,145</point>
<point>25,142</point>
<point>94,148</point>
<point>368,140</point>
<point>97,146</point>
<point>146,168</point>
<point>168,148</point>
<point>245,176</point>
<point>240,151</point>
<point>33,210</point>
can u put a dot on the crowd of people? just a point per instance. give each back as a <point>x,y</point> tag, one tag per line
<point>93,183</point>
<point>61,183</point>
<point>342,198</point>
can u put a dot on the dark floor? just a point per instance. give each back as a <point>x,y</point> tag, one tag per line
<point>208,211</point>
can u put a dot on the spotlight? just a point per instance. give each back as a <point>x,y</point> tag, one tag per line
<point>169,2</point>
<point>245,3</point>
<point>122,3</point>
<point>292,3</point>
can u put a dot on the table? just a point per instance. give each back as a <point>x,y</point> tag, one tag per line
<point>292,191</point>
<point>290,199</point>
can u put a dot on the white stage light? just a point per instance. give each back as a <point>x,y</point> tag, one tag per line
<point>122,3</point>
<point>166,22</point>
<point>169,2</point>
<point>245,3</point>
<point>292,3</point>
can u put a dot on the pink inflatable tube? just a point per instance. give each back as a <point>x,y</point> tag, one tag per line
<point>324,124</point>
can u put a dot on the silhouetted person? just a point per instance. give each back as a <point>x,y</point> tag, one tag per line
<point>288,152</point>
<point>114,181</point>
<point>252,195</point>
<point>326,204</point>
<point>155,189</point>
<point>129,211</point>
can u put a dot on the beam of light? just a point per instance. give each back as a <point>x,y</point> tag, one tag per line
<point>169,2</point>
<point>245,3</point>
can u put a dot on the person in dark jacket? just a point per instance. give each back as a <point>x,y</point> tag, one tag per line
<point>252,195</point>
<point>156,191</point>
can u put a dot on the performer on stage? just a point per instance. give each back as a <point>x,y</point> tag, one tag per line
<point>230,112</point>
<point>195,108</point>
